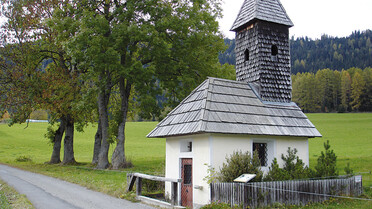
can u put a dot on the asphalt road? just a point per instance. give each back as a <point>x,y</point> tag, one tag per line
<point>46,192</point>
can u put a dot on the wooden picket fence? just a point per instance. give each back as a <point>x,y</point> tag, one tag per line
<point>300,192</point>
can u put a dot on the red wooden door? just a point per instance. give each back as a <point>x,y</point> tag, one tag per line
<point>186,185</point>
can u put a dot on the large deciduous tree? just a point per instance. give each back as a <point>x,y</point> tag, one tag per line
<point>36,72</point>
<point>144,49</point>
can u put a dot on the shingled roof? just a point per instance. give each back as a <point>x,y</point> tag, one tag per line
<point>267,10</point>
<point>232,107</point>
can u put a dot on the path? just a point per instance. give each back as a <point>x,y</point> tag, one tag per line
<point>47,192</point>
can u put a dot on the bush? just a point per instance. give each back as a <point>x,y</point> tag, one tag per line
<point>326,164</point>
<point>275,173</point>
<point>294,168</point>
<point>348,170</point>
<point>23,158</point>
<point>239,163</point>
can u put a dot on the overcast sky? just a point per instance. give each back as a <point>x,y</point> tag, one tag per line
<point>313,18</point>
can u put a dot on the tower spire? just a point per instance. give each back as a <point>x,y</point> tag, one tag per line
<point>262,49</point>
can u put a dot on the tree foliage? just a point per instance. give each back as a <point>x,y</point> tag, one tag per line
<point>326,163</point>
<point>293,168</point>
<point>239,163</point>
<point>36,73</point>
<point>79,58</point>
<point>333,91</point>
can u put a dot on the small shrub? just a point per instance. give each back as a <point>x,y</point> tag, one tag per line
<point>294,168</point>
<point>326,164</point>
<point>23,158</point>
<point>275,173</point>
<point>239,163</point>
<point>348,170</point>
<point>213,175</point>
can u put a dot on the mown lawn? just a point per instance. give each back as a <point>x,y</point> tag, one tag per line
<point>18,143</point>
<point>350,136</point>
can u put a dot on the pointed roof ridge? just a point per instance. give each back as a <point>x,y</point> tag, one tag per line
<point>266,10</point>
<point>202,124</point>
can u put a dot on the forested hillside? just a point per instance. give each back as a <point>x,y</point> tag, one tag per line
<point>335,53</point>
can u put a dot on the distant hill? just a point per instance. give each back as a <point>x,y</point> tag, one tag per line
<point>308,55</point>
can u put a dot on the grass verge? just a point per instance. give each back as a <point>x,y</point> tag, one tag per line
<point>10,198</point>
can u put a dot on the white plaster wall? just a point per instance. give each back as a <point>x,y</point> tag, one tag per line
<point>201,158</point>
<point>212,149</point>
<point>301,144</point>
<point>172,163</point>
<point>223,146</point>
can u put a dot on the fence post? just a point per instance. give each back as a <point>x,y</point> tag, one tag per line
<point>139,186</point>
<point>244,197</point>
<point>174,193</point>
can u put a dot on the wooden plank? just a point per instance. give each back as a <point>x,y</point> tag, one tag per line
<point>132,180</point>
<point>156,178</point>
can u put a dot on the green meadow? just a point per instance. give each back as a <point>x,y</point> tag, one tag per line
<point>350,136</point>
<point>23,146</point>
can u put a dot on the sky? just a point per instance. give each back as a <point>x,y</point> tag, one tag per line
<point>313,18</point>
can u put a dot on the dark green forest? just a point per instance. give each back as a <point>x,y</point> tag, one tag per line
<point>308,55</point>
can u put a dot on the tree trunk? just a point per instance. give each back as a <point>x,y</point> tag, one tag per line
<point>118,157</point>
<point>68,157</point>
<point>97,143</point>
<point>56,154</point>
<point>103,100</point>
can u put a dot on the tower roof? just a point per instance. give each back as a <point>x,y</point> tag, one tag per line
<point>232,107</point>
<point>266,10</point>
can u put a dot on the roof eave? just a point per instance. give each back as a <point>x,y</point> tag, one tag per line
<point>241,27</point>
<point>227,133</point>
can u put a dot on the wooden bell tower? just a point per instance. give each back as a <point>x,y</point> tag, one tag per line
<point>262,49</point>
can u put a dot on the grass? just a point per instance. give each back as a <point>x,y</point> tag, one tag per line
<point>350,136</point>
<point>9,198</point>
<point>27,148</point>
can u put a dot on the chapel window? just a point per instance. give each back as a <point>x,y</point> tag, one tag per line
<point>261,149</point>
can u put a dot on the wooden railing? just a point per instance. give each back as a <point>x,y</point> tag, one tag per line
<point>137,178</point>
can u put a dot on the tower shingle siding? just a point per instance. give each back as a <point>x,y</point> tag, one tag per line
<point>270,74</point>
<point>262,49</point>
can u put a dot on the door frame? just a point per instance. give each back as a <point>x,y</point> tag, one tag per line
<point>192,180</point>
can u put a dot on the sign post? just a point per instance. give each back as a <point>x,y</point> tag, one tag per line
<point>244,178</point>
